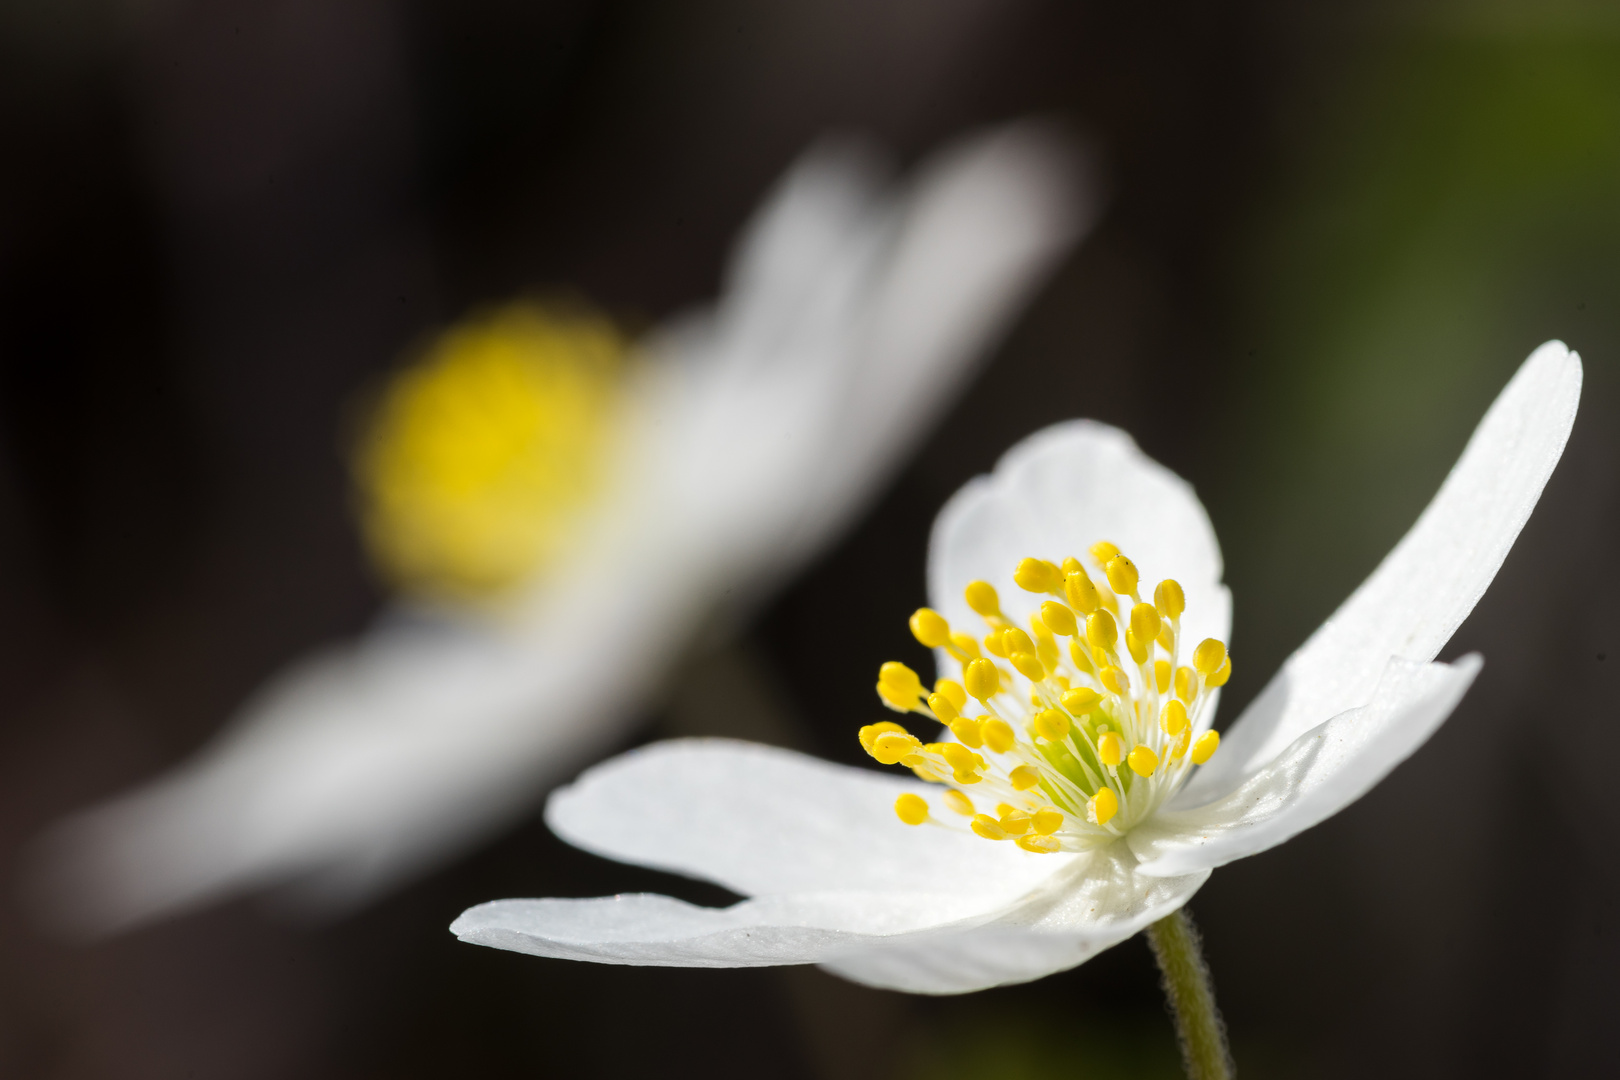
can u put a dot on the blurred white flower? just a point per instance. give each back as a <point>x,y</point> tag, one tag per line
<point>695,473</point>
<point>1069,815</point>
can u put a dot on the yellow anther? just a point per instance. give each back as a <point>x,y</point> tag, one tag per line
<point>1122,576</point>
<point>1137,647</point>
<point>1071,565</point>
<point>1145,622</point>
<point>1179,748</point>
<point>1222,673</point>
<point>1037,576</point>
<point>1102,806</point>
<point>988,827</point>
<point>966,729</point>
<point>1205,747</point>
<point>1143,760</point>
<point>1047,820</point>
<point>1051,724</point>
<point>981,597</point>
<point>1014,822</point>
<point>1101,630</point>
<point>1173,718</point>
<point>870,732</point>
<point>1169,599</point>
<point>1115,680</point>
<point>965,645</point>
<point>891,746</point>
<point>1167,638</point>
<point>1028,665</point>
<point>960,758</point>
<point>1081,660</point>
<point>1081,699</point>
<point>998,735</point>
<point>982,679</point>
<point>958,802</point>
<point>1039,845</point>
<point>953,692</point>
<point>911,809</point>
<point>1082,594</point>
<point>1209,656</point>
<point>993,644</point>
<point>1059,618</point>
<point>943,708</point>
<point>930,628</point>
<point>1003,809</point>
<point>1186,684</point>
<point>1015,640</point>
<point>1046,651</point>
<point>895,699</point>
<point>902,678</point>
<point>1103,551</point>
<point>923,771</point>
<point>1024,777</point>
<point>1110,748</point>
<point>1161,675</point>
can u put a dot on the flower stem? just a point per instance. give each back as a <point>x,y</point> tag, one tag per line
<point>1192,997</point>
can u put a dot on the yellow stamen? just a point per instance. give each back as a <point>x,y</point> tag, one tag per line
<point>1137,647</point>
<point>1143,760</point>
<point>1051,724</point>
<point>1145,622</point>
<point>1082,594</point>
<point>1039,845</point>
<point>1013,822</point>
<point>988,827</point>
<point>911,809</point>
<point>943,708</point>
<point>981,597</point>
<point>1029,665</point>
<point>1110,749</point>
<point>981,679</point>
<point>1081,699</point>
<point>998,735</point>
<point>952,691</point>
<point>1186,684</point>
<point>964,644</point>
<point>870,732</point>
<point>1115,680</point>
<point>1102,806</point>
<point>1047,820</point>
<point>1122,576</point>
<point>1103,551</point>
<point>1173,718</point>
<point>479,459</point>
<point>1209,656</point>
<point>1205,747</point>
<point>1059,618</point>
<point>1037,576</point>
<point>1101,630</point>
<point>966,729</point>
<point>1169,599</point>
<point>1221,674</point>
<point>1161,675</point>
<point>1024,777</point>
<point>891,746</point>
<point>958,802</point>
<point>930,628</point>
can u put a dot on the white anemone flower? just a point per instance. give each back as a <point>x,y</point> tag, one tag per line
<point>739,440</point>
<point>1073,810</point>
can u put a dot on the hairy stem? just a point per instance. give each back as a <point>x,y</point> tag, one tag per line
<point>1192,997</point>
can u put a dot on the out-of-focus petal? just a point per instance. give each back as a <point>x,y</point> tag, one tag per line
<point>1325,770</point>
<point>1410,606</point>
<point>760,820</point>
<point>1055,494</point>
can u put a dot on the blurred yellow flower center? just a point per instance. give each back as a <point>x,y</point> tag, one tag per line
<point>480,456</point>
<point>1074,745</point>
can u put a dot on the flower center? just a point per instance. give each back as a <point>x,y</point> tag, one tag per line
<point>479,456</point>
<point>1075,745</point>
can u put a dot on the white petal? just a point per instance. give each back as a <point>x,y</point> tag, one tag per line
<point>1325,770</point>
<point>1055,494</point>
<point>1428,584</point>
<point>919,942</point>
<point>647,929</point>
<point>1093,905</point>
<point>361,765</point>
<point>758,820</point>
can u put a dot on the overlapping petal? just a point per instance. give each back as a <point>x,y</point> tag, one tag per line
<point>1410,606</point>
<point>1055,494</point>
<point>1325,770</point>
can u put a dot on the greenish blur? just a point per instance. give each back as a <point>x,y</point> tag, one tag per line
<point>1447,197</point>
<point>973,1042</point>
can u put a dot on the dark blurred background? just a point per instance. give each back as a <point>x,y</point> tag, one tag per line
<point>1335,230</point>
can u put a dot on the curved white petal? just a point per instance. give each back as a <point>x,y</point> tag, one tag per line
<point>758,820</point>
<point>916,941</point>
<point>1325,770</point>
<point>1055,494</point>
<point>1428,583</point>
<point>1095,904</point>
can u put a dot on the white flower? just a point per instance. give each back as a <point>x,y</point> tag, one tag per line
<point>1075,861</point>
<point>750,435</point>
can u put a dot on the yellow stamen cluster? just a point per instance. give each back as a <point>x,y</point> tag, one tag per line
<point>479,456</point>
<point>1074,743</point>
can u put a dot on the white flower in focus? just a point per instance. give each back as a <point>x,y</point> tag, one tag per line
<point>553,506</point>
<point>1079,792</point>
